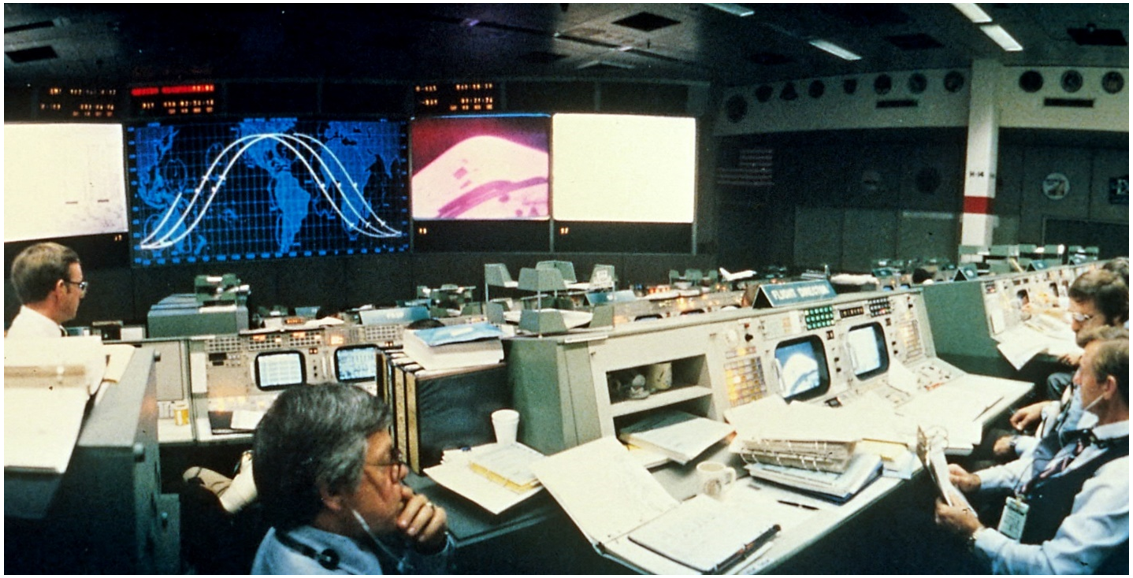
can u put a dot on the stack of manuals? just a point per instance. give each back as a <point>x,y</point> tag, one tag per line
<point>494,476</point>
<point>837,487</point>
<point>455,346</point>
<point>678,435</point>
<point>818,455</point>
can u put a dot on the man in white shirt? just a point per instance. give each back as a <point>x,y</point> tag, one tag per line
<point>48,280</point>
<point>1070,509</point>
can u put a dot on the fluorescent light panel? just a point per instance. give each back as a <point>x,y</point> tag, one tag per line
<point>834,49</point>
<point>1001,37</point>
<point>733,9</point>
<point>974,13</point>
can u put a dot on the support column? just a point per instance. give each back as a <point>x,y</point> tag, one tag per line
<point>979,221</point>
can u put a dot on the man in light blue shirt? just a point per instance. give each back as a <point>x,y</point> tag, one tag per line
<point>329,481</point>
<point>1075,496</point>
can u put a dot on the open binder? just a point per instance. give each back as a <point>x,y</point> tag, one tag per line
<point>626,514</point>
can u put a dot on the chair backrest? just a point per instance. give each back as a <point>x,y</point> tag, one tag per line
<point>540,280</point>
<point>496,275</point>
<point>565,268</point>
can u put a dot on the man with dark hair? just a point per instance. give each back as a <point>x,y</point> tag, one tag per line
<point>48,280</point>
<point>1120,267</point>
<point>329,481</point>
<point>1070,510</point>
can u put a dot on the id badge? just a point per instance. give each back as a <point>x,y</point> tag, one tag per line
<point>1014,518</point>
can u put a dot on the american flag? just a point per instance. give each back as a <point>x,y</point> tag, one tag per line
<point>752,169</point>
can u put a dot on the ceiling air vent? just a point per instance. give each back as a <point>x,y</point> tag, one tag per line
<point>646,22</point>
<point>868,15</point>
<point>32,54</point>
<point>1093,36</point>
<point>914,42</point>
<point>769,59</point>
<point>29,26</point>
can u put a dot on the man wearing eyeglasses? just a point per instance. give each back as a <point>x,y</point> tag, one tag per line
<point>48,280</point>
<point>329,480</point>
<point>1098,298</point>
<point>1067,504</point>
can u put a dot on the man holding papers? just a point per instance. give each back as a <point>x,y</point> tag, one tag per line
<point>1070,510</point>
<point>1097,299</point>
<point>329,479</point>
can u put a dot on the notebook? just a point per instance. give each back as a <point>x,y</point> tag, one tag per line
<point>704,534</point>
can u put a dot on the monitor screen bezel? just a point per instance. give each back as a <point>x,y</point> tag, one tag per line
<point>268,354</point>
<point>338,368</point>
<point>818,349</point>
<point>882,348</point>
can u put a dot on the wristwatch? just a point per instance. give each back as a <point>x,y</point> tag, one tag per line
<point>971,541</point>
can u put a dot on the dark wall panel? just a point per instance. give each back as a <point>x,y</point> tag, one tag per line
<point>642,98</point>
<point>1039,162</point>
<point>550,96</point>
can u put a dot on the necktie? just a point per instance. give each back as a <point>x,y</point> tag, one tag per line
<point>1059,462</point>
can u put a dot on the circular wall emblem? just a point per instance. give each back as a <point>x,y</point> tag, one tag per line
<point>1056,186</point>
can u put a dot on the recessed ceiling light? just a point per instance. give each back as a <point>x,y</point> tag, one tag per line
<point>974,13</point>
<point>1001,37</point>
<point>834,49</point>
<point>733,9</point>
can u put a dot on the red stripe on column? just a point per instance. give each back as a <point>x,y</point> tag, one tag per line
<point>978,205</point>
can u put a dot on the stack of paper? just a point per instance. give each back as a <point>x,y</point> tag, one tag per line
<point>47,384</point>
<point>628,515</point>
<point>455,473</point>
<point>455,346</point>
<point>508,465</point>
<point>863,469</point>
<point>680,436</point>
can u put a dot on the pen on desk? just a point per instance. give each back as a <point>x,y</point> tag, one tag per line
<point>797,505</point>
<point>997,400</point>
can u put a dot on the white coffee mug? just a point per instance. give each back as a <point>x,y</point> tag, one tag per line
<point>714,478</point>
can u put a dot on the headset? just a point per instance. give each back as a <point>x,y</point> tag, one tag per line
<point>327,558</point>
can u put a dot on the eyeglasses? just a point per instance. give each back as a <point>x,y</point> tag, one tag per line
<point>394,463</point>
<point>1081,317</point>
<point>82,284</point>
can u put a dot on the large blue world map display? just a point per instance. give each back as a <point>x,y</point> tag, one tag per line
<point>266,189</point>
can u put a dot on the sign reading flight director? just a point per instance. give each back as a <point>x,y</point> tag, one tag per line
<point>783,294</point>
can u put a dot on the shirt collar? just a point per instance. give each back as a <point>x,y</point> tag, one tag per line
<point>1112,430</point>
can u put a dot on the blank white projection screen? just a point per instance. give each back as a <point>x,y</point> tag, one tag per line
<point>615,168</point>
<point>63,180</point>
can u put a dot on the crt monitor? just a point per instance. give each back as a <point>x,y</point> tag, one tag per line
<point>356,363</point>
<point>279,369</point>
<point>801,364</point>
<point>868,353</point>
